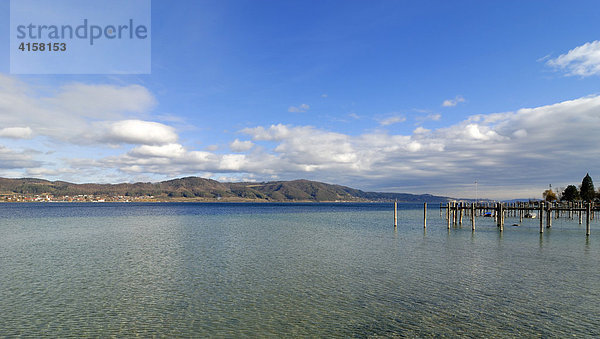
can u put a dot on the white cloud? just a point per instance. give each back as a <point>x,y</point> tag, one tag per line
<point>11,159</point>
<point>392,120</point>
<point>530,147</point>
<point>43,172</point>
<point>241,146</point>
<point>581,61</point>
<point>140,132</point>
<point>16,133</point>
<point>71,113</point>
<point>299,109</point>
<point>453,102</point>
<point>162,151</point>
<point>421,130</point>
<point>102,101</point>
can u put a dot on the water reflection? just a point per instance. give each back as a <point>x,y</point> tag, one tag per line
<point>230,271</point>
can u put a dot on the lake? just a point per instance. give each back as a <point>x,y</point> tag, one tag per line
<point>316,270</point>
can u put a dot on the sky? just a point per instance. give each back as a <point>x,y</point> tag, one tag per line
<point>392,96</point>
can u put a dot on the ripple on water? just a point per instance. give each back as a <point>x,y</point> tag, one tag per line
<point>290,270</point>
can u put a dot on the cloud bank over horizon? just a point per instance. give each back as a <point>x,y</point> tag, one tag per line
<point>107,133</point>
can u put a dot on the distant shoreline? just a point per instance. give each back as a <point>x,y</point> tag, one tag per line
<point>195,189</point>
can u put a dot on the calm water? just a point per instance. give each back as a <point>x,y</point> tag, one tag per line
<point>289,270</point>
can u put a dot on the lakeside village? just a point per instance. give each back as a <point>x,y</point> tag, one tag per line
<point>76,198</point>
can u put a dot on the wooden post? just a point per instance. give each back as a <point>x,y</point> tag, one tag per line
<point>448,219</point>
<point>587,218</point>
<point>455,208</point>
<point>395,214</point>
<point>473,216</point>
<point>425,215</point>
<point>460,207</point>
<point>521,212</point>
<point>579,212</point>
<point>541,216</point>
<point>549,216</point>
<point>570,210</point>
<point>501,217</point>
<point>496,214</point>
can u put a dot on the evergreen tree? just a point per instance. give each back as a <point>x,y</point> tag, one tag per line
<point>587,188</point>
<point>571,193</point>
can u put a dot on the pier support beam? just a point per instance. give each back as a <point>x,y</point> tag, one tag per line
<point>588,213</point>
<point>549,216</point>
<point>395,214</point>
<point>500,217</point>
<point>425,215</point>
<point>448,214</point>
<point>541,216</point>
<point>473,216</point>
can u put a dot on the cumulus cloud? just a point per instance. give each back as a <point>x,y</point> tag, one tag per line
<point>421,130</point>
<point>511,150</point>
<point>162,151</point>
<point>70,113</point>
<point>299,109</point>
<point>581,61</point>
<point>140,132</point>
<point>16,133</point>
<point>453,102</point>
<point>241,146</point>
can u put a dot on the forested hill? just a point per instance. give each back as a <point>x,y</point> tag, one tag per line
<point>200,189</point>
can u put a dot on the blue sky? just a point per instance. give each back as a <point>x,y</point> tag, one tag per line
<point>401,96</point>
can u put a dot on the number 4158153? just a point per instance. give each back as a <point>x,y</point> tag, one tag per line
<point>39,46</point>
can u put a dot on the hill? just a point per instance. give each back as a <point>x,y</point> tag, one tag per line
<point>200,189</point>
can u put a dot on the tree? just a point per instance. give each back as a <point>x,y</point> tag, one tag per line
<point>549,195</point>
<point>587,188</point>
<point>571,193</point>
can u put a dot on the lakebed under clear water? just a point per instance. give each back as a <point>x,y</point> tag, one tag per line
<point>192,269</point>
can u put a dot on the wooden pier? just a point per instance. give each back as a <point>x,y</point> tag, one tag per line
<point>544,211</point>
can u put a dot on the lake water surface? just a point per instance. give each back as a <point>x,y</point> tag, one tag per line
<point>206,270</point>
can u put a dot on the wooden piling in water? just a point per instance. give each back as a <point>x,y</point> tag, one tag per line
<point>521,212</point>
<point>541,216</point>
<point>455,207</point>
<point>500,216</point>
<point>455,211</point>
<point>448,214</point>
<point>587,218</point>
<point>473,216</point>
<point>425,215</point>
<point>395,214</point>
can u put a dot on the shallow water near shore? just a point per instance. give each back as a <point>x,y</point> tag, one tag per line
<point>192,269</point>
